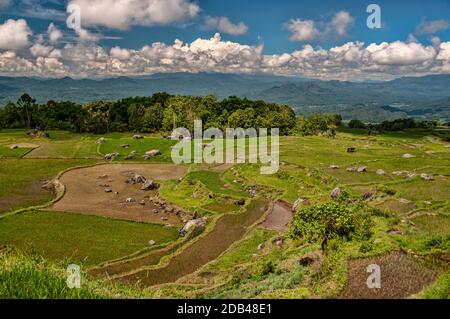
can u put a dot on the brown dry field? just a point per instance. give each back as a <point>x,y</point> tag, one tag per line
<point>85,191</point>
<point>279,218</point>
<point>402,275</point>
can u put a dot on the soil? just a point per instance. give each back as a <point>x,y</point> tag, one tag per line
<point>279,218</point>
<point>402,275</point>
<point>85,192</point>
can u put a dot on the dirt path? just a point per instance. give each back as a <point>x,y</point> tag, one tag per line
<point>85,191</point>
<point>228,229</point>
<point>279,218</point>
<point>401,276</point>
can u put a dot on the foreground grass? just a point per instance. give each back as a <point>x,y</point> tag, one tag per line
<point>85,239</point>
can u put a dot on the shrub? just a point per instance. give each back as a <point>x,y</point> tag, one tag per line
<point>330,220</point>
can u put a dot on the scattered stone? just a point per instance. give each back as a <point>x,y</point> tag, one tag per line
<point>100,140</point>
<point>108,190</point>
<point>152,242</point>
<point>130,157</point>
<point>427,202</point>
<point>381,172</point>
<point>145,157</point>
<point>334,166</point>
<point>142,202</point>
<point>137,137</point>
<point>103,176</point>
<point>13,147</point>
<point>394,232</point>
<point>198,223</point>
<point>404,201</point>
<point>299,202</point>
<point>240,202</point>
<point>404,174</point>
<point>164,218</point>
<point>138,179</point>
<point>351,169</point>
<point>362,169</point>
<point>278,242</point>
<point>408,156</point>
<point>111,156</point>
<point>377,241</point>
<point>149,185</point>
<point>153,153</point>
<point>426,177</point>
<point>37,134</point>
<point>336,193</point>
<point>155,211</point>
<point>124,145</point>
<point>129,200</point>
<point>261,246</point>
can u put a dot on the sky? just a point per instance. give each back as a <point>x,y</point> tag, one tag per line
<point>325,39</point>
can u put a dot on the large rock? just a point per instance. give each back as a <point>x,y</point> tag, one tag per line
<point>100,140</point>
<point>426,177</point>
<point>362,169</point>
<point>408,156</point>
<point>193,224</point>
<point>334,166</point>
<point>111,156</point>
<point>13,147</point>
<point>299,202</point>
<point>138,179</point>
<point>149,185</point>
<point>336,193</point>
<point>137,137</point>
<point>153,153</point>
<point>381,172</point>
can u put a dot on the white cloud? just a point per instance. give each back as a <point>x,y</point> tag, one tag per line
<point>224,25</point>
<point>340,23</point>
<point>14,34</point>
<point>302,30</point>
<point>307,30</point>
<point>431,27</point>
<point>54,34</point>
<point>121,14</point>
<point>400,53</point>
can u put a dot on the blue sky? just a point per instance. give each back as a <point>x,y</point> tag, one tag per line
<point>268,27</point>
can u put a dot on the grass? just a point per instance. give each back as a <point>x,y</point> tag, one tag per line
<point>20,180</point>
<point>140,146</point>
<point>213,182</point>
<point>8,152</point>
<point>85,239</point>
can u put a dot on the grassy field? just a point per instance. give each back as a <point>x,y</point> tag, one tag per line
<point>247,261</point>
<point>79,238</point>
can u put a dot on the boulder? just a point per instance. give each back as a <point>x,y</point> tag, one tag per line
<point>299,202</point>
<point>129,200</point>
<point>362,169</point>
<point>124,145</point>
<point>108,190</point>
<point>261,246</point>
<point>408,156</point>
<point>381,172</point>
<point>336,193</point>
<point>149,185</point>
<point>100,140</point>
<point>13,147</point>
<point>193,224</point>
<point>426,177</point>
<point>137,137</point>
<point>111,156</point>
<point>351,169</point>
<point>152,242</point>
<point>333,166</point>
<point>153,153</point>
<point>240,202</point>
<point>138,179</point>
<point>130,157</point>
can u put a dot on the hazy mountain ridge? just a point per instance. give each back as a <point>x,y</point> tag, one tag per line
<point>425,97</point>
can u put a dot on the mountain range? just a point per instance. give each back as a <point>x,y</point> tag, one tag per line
<point>419,97</point>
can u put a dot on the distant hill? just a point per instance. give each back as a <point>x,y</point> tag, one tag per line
<point>422,97</point>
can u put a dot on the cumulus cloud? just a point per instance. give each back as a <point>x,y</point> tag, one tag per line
<point>350,61</point>
<point>307,30</point>
<point>224,25</point>
<point>431,27</point>
<point>54,34</point>
<point>302,30</point>
<point>124,13</point>
<point>14,34</point>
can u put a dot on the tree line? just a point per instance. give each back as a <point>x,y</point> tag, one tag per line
<point>162,112</point>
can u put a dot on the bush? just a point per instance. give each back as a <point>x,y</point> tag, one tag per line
<point>356,124</point>
<point>330,220</point>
